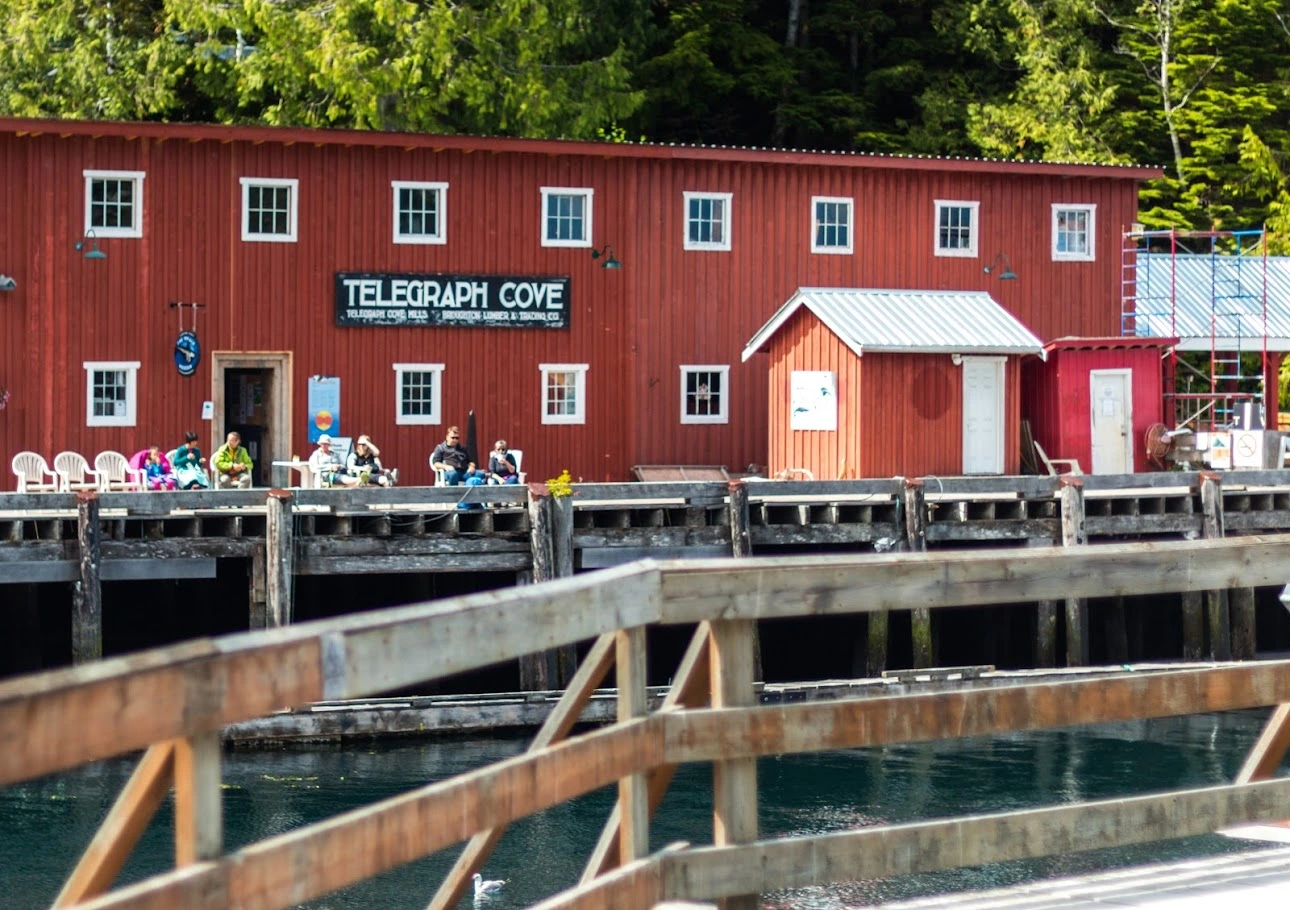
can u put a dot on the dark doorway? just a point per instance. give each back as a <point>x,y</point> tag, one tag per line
<point>248,409</point>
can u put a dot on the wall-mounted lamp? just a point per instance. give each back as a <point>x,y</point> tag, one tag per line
<point>1001,258</point>
<point>607,251</point>
<point>7,283</point>
<point>93,251</point>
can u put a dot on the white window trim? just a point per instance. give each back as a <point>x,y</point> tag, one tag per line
<point>436,402</point>
<point>724,371</point>
<point>725,221</point>
<point>131,368</point>
<point>293,210</point>
<point>1091,209</point>
<point>589,193</point>
<point>439,187</point>
<point>580,390</point>
<point>137,177</point>
<point>851,227</point>
<point>973,238</point>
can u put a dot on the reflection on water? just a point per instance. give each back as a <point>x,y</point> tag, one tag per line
<point>45,824</point>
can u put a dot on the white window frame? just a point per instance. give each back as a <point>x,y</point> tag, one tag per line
<point>135,177</point>
<point>589,194</point>
<point>723,370</point>
<point>847,250</point>
<point>435,416</point>
<point>1091,210</point>
<point>726,199</point>
<point>293,208</point>
<point>131,369</point>
<point>971,251</point>
<point>579,390</point>
<point>441,235</point>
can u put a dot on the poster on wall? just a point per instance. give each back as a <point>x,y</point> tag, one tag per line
<point>813,400</point>
<point>324,406</point>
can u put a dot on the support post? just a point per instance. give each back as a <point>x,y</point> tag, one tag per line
<point>741,548</point>
<point>1216,612</point>
<point>633,794</point>
<point>1193,625</point>
<point>538,671</point>
<point>734,781</point>
<point>1244,641</point>
<point>1117,632</point>
<point>279,559</point>
<point>87,608</point>
<point>259,612</point>
<point>566,656</point>
<point>916,542</point>
<point>876,622</point>
<point>199,811</point>
<point>1045,621</point>
<point>1074,534</point>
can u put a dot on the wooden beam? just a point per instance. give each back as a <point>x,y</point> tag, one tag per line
<point>87,607</point>
<point>279,559</point>
<point>1216,612</point>
<point>1269,749</point>
<point>1074,534</point>
<point>125,823</point>
<point>554,729</point>
<point>633,796</point>
<point>884,852</point>
<point>734,780</point>
<point>712,735</point>
<point>916,542</point>
<point>199,810</point>
<point>635,885</point>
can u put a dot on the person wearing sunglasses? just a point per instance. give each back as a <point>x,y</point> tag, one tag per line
<point>451,458</point>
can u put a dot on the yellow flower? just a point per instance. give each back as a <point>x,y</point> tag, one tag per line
<point>560,486</point>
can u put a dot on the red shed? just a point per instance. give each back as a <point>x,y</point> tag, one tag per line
<point>1093,399</point>
<point>875,383</point>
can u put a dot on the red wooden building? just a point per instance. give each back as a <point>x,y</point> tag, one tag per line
<point>435,274</point>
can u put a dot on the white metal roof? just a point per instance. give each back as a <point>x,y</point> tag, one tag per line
<point>923,322</point>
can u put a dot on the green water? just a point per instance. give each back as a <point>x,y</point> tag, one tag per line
<point>45,824</point>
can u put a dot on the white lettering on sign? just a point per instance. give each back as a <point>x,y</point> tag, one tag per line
<point>525,294</point>
<point>441,299</point>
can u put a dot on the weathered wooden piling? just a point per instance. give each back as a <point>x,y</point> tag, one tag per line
<point>257,598</point>
<point>566,656</point>
<point>741,548</point>
<point>551,543</point>
<point>279,559</point>
<point>87,610</point>
<point>915,501</point>
<point>1074,534</point>
<point>1216,612</point>
<point>1045,621</point>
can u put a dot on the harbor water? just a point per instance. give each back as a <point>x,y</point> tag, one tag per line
<point>45,824</point>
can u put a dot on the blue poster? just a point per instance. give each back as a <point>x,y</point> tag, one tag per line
<point>324,406</point>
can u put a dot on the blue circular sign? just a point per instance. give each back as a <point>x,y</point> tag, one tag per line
<point>188,353</point>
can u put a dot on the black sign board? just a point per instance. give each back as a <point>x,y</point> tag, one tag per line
<point>462,300</point>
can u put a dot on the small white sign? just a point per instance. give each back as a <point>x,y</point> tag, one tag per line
<point>1219,455</point>
<point>813,400</point>
<point>208,410</point>
<point>1247,449</point>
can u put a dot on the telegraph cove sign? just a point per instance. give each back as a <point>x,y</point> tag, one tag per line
<point>462,300</point>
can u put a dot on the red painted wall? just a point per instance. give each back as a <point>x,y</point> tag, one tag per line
<point>635,327</point>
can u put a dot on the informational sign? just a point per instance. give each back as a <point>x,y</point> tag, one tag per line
<point>324,406</point>
<point>813,400</point>
<point>1247,449</point>
<point>499,301</point>
<point>1217,448</point>
<point>208,410</point>
<point>188,353</point>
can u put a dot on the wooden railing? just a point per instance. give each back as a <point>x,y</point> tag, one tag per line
<point>174,701</point>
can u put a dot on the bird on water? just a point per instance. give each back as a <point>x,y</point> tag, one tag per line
<point>488,886</point>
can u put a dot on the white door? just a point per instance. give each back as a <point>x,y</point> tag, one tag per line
<point>983,415</point>
<point>1112,404</point>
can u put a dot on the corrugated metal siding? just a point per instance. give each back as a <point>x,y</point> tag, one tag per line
<point>635,327</point>
<point>1194,297</point>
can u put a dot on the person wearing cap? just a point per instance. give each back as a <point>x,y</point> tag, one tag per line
<point>327,466</point>
<point>365,464</point>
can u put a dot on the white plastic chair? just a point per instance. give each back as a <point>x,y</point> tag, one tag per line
<point>115,472</point>
<point>32,471</point>
<point>74,472</point>
<point>519,464</point>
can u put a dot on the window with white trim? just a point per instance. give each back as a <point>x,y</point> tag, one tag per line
<point>704,393</point>
<point>566,216</point>
<point>269,209</point>
<point>111,393</point>
<point>1073,231</point>
<point>419,212</point>
<point>114,203</point>
<point>832,228</point>
<point>418,393</point>
<point>564,392</point>
<point>707,221</point>
<point>957,228</point>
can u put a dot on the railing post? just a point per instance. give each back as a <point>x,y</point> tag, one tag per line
<point>279,559</point>
<point>1216,612</point>
<point>734,782</point>
<point>633,792</point>
<point>916,542</point>
<point>199,811</point>
<point>1074,534</point>
<point>87,609</point>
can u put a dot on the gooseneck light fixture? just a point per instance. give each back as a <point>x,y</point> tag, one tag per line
<point>7,283</point>
<point>89,247</point>
<point>1001,259</point>
<point>607,253</point>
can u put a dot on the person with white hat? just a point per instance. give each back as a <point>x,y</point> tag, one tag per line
<point>327,466</point>
<point>365,464</point>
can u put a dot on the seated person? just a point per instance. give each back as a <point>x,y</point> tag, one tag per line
<point>365,464</point>
<point>189,471</point>
<point>501,465</point>
<point>232,463</point>
<point>328,467</point>
<point>450,456</point>
<point>474,476</point>
<point>156,468</point>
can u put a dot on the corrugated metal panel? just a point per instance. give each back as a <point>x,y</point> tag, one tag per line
<point>1197,297</point>
<point>909,321</point>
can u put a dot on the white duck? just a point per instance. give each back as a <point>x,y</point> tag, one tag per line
<point>487,886</point>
